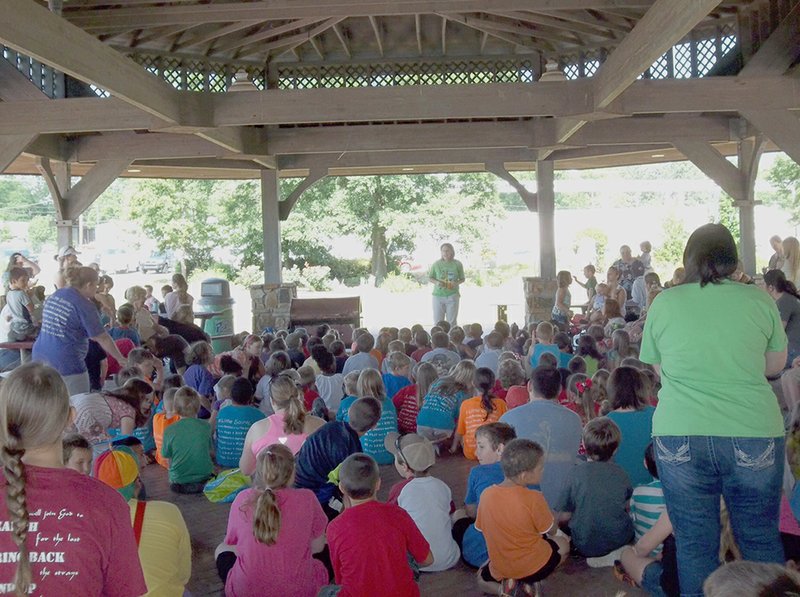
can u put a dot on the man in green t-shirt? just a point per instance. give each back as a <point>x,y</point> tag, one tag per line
<point>446,274</point>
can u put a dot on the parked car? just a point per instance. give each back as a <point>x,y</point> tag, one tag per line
<point>118,261</point>
<point>156,262</point>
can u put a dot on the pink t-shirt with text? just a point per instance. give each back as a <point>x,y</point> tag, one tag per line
<point>80,537</point>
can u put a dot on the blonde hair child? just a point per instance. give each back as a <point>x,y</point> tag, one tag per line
<point>579,388</point>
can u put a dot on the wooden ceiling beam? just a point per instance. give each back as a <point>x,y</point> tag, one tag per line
<point>289,43</point>
<point>779,51</point>
<point>200,39</point>
<point>396,159</point>
<point>296,9</point>
<point>15,87</point>
<point>310,34</point>
<point>557,23</point>
<point>781,126</point>
<point>11,146</point>
<point>581,17</point>
<point>339,34</point>
<point>161,33</point>
<point>418,30</point>
<point>498,31</point>
<point>268,32</point>
<point>35,31</point>
<point>378,33</point>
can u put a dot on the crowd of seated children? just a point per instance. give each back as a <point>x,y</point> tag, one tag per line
<point>372,544</point>
<point>476,411</point>
<point>427,499</point>
<point>124,329</point>
<point>521,531</point>
<point>163,419</point>
<point>330,384</point>
<point>439,410</point>
<point>234,422</point>
<point>407,401</point>
<point>370,385</point>
<point>399,375</point>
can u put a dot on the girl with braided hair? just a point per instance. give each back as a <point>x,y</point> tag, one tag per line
<point>273,529</point>
<point>65,533</point>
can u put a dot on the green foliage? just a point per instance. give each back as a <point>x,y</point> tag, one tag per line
<point>24,197</point>
<point>600,240</point>
<point>729,216</point>
<point>492,277</point>
<point>179,215</point>
<point>670,254</point>
<point>41,231</point>
<point>785,176</point>
<point>313,277</point>
<point>400,283</point>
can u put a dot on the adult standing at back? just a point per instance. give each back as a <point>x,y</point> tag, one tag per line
<point>179,296</point>
<point>718,429</point>
<point>446,274</point>
<point>776,260</point>
<point>69,320</point>
<point>787,299</point>
<point>791,260</point>
<point>629,268</point>
<point>554,427</point>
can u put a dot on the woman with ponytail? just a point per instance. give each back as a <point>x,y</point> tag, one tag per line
<point>290,425</point>
<point>43,500</point>
<point>273,530</point>
<point>477,411</point>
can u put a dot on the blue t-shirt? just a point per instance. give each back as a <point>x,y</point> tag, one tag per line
<point>440,410</point>
<point>322,452</point>
<point>564,358</point>
<point>540,349</point>
<point>558,430</point>
<point>118,333</point>
<point>199,378</point>
<point>372,440</point>
<point>637,430</point>
<point>344,406</point>
<point>394,383</point>
<point>482,476</point>
<point>233,423</point>
<point>69,319</point>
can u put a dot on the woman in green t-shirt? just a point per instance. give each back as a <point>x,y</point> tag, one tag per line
<point>718,430</point>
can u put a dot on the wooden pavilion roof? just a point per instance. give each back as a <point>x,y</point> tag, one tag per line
<point>363,87</point>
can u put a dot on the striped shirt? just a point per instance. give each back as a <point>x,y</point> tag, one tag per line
<point>647,504</point>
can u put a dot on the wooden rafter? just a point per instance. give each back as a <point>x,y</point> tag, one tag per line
<point>556,23</point>
<point>268,32</point>
<point>498,32</point>
<point>304,37</point>
<point>162,33</point>
<point>580,17</point>
<point>444,35</point>
<point>418,30</point>
<point>317,47</point>
<point>340,35</point>
<point>210,36</point>
<point>537,32</point>
<point>778,52</point>
<point>376,28</point>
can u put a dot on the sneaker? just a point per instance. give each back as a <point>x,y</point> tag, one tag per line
<point>606,560</point>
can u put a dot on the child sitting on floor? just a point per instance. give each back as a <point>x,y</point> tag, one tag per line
<point>426,498</point>
<point>400,372</point>
<point>233,423</point>
<point>408,401</point>
<point>273,529</point>
<point>17,313</point>
<point>491,439</point>
<point>370,384</point>
<point>438,413</point>
<point>595,502</point>
<point>187,445</point>
<point>326,449</point>
<point>123,329</point>
<point>371,542</point>
<point>519,528</point>
<point>77,453</point>
<point>162,420</point>
<point>544,343</point>
<point>308,385</point>
<point>476,411</point>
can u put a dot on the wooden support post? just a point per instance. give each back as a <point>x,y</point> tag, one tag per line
<point>546,207</point>
<point>58,178</point>
<point>91,185</point>
<point>285,206</point>
<point>749,153</point>
<point>499,170</point>
<point>781,126</point>
<point>10,148</point>
<point>270,219</point>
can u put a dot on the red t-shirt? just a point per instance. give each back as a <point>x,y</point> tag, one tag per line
<point>397,488</point>
<point>405,403</point>
<point>309,395</point>
<point>125,345</point>
<point>498,390</point>
<point>517,396</point>
<point>417,354</point>
<point>80,537</point>
<point>369,544</point>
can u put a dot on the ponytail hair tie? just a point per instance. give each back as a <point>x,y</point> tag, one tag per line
<point>584,385</point>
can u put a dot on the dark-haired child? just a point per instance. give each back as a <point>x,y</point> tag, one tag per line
<point>234,421</point>
<point>491,439</point>
<point>427,499</point>
<point>187,445</point>
<point>628,393</point>
<point>330,384</point>
<point>595,502</point>
<point>370,542</point>
<point>325,449</point>
<point>77,453</point>
<point>647,503</point>
<point>477,411</point>
<point>520,530</point>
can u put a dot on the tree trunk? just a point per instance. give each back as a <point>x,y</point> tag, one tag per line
<point>379,254</point>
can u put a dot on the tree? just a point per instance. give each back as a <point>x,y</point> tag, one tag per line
<point>785,176</point>
<point>670,254</point>
<point>729,216</point>
<point>41,231</point>
<point>180,215</point>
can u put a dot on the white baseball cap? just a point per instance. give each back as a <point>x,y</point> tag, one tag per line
<point>64,251</point>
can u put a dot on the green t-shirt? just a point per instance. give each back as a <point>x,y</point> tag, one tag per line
<point>187,443</point>
<point>710,343</point>
<point>448,271</point>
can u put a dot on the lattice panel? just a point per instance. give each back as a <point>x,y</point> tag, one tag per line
<point>197,75</point>
<point>682,61</point>
<point>408,73</point>
<point>172,72</point>
<point>46,78</point>
<point>727,35</point>
<point>706,56</point>
<point>661,68</point>
<point>571,70</point>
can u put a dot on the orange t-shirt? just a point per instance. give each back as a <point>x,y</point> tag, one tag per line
<point>513,520</point>
<point>160,423</point>
<point>471,416</point>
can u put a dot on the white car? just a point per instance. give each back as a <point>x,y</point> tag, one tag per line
<point>118,261</point>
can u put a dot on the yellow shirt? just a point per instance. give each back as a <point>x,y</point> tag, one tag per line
<point>165,549</point>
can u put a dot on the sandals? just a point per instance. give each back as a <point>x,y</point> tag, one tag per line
<point>621,575</point>
<point>513,588</point>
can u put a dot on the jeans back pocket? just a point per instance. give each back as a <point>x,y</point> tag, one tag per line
<point>672,449</point>
<point>754,453</point>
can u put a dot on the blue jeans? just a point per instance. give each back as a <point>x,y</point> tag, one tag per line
<point>695,471</point>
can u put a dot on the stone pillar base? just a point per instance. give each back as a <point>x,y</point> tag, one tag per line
<point>271,305</point>
<point>540,296</point>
